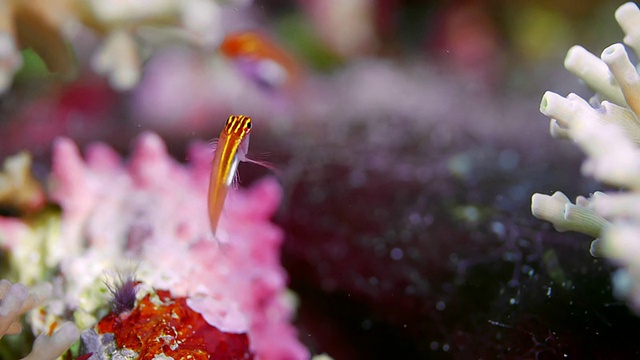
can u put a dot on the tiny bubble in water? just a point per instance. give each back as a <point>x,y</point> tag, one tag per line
<point>396,254</point>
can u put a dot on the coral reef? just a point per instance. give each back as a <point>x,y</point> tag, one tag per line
<point>127,30</point>
<point>607,129</point>
<point>151,214</point>
<point>407,149</point>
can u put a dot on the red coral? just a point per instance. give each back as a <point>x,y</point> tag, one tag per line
<point>173,329</point>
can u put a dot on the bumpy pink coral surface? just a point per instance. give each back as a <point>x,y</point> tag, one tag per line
<point>151,212</point>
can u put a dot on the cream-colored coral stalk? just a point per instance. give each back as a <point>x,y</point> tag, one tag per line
<point>595,74</point>
<point>565,216</point>
<point>617,59</point>
<point>15,300</point>
<point>52,347</point>
<point>628,17</point>
<point>573,110</point>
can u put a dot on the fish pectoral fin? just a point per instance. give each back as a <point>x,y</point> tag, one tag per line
<point>233,171</point>
<point>262,163</point>
<point>235,183</point>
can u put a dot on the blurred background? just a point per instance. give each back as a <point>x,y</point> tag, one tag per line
<point>408,142</point>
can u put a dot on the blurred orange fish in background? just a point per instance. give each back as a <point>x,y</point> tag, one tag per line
<point>261,59</point>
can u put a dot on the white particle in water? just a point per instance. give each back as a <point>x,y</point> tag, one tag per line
<point>396,254</point>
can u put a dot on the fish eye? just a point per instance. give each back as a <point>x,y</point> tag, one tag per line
<point>248,126</point>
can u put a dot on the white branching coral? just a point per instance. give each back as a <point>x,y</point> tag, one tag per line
<point>15,300</point>
<point>607,129</point>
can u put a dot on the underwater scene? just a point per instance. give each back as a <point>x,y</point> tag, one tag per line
<point>424,180</point>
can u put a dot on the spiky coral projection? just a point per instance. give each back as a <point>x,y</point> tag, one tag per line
<point>607,129</point>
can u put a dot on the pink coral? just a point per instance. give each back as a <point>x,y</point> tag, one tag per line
<point>152,213</point>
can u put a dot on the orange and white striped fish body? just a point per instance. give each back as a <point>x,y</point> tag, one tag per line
<point>232,147</point>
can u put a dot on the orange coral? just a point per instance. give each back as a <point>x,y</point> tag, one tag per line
<point>169,327</point>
